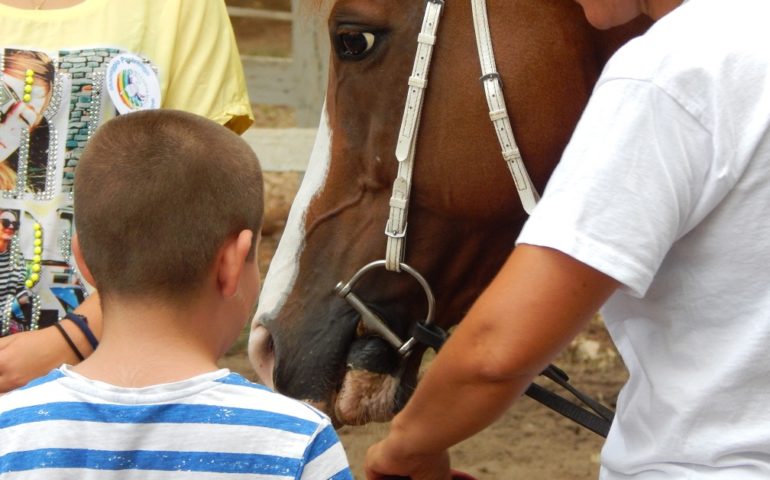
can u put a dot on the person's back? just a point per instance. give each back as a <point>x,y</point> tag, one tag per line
<point>178,278</point>
<point>678,194</point>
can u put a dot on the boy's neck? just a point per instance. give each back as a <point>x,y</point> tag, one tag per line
<point>148,343</point>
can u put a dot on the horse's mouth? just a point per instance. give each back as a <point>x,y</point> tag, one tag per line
<point>369,391</point>
<point>365,397</point>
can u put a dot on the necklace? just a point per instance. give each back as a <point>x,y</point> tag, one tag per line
<point>39,4</point>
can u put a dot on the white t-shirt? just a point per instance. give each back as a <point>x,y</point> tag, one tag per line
<point>665,186</point>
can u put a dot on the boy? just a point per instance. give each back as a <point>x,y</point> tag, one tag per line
<point>168,212</point>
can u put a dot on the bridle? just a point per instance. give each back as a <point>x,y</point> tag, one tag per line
<point>427,332</point>
<point>396,227</point>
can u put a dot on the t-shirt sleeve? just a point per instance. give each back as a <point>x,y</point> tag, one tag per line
<point>325,457</point>
<point>636,176</point>
<point>205,74</point>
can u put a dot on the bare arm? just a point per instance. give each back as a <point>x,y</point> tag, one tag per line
<point>538,302</point>
<point>27,355</point>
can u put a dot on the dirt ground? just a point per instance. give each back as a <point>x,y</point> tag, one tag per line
<point>529,442</point>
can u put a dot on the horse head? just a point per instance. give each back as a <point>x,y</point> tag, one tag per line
<point>464,212</point>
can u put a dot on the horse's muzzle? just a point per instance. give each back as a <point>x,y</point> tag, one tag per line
<point>262,355</point>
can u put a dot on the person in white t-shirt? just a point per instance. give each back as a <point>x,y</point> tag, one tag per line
<point>660,212</point>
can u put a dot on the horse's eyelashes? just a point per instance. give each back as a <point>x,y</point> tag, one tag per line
<point>354,45</point>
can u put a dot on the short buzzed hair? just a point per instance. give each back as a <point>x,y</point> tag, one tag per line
<point>157,193</point>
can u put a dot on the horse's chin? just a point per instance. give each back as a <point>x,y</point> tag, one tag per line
<point>369,390</point>
<point>366,397</point>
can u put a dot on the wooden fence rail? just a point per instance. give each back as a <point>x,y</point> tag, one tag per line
<point>281,149</point>
<point>260,14</point>
<point>298,81</point>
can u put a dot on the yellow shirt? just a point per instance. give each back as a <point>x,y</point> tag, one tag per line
<point>191,43</point>
<point>60,78</point>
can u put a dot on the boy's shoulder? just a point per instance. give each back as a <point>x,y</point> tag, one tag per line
<point>234,390</point>
<point>46,387</point>
<point>246,403</point>
<point>262,397</point>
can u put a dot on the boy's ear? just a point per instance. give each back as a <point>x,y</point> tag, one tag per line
<point>80,261</point>
<point>232,258</point>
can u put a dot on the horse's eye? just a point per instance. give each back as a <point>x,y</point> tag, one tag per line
<point>354,45</point>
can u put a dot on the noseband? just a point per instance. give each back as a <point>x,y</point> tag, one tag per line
<point>426,332</point>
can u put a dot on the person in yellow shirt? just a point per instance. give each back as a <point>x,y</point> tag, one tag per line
<point>66,66</point>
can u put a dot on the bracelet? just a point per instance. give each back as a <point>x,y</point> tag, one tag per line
<point>82,324</point>
<point>69,341</point>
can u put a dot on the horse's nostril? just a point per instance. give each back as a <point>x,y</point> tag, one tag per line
<point>262,354</point>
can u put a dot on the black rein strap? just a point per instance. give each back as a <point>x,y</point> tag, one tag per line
<point>598,419</point>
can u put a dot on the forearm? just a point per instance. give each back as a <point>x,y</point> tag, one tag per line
<point>28,355</point>
<point>426,427</point>
<point>462,392</point>
<point>515,329</point>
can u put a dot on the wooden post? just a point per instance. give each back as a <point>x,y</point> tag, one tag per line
<point>310,47</point>
<point>298,81</point>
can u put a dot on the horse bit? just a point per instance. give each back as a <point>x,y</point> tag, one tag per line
<point>427,332</point>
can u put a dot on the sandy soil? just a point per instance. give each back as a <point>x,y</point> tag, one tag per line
<point>529,442</point>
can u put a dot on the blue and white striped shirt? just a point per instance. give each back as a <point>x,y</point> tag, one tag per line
<point>213,426</point>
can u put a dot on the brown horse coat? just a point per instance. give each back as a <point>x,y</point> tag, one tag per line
<point>464,213</point>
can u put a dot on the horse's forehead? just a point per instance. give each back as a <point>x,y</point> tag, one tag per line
<point>375,4</point>
<point>372,8</point>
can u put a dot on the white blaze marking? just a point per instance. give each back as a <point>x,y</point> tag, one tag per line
<point>284,266</point>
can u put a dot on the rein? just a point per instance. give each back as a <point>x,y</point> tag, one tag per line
<point>599,418</point>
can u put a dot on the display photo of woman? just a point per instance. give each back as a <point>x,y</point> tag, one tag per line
<point>26,88</point>
<point>12,272</point>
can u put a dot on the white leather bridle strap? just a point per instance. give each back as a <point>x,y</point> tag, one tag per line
<point>407,137</point>
<point>395,230</point>
<point>498,113</point>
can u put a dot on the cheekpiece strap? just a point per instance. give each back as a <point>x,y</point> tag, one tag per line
<point>498,113</point>
<point>395,230</point>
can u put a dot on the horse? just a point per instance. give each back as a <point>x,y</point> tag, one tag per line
<point>333,316</point>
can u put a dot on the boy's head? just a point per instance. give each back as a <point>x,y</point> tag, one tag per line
<point>157,194</point>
